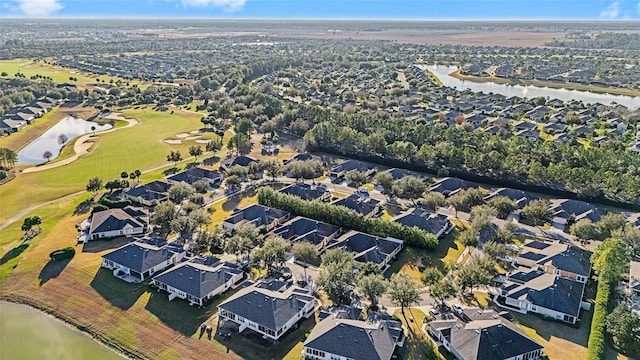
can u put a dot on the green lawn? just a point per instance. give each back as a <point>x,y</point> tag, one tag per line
<point>139,147</point>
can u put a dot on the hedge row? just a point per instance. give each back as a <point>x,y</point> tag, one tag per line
<point>115,204</point>
<point>347,218</point>
<point>597,346</point>
<point>64,253</point>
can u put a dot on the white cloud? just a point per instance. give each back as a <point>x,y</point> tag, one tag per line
<point>612,11</point>
<point>231,5</point>
<point>38,8</point>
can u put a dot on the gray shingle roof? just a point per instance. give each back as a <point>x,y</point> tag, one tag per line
<point>197,279</point>
<point>116,219</point>
<point>360,204</point>
<point>305,229</point>
<point>305,191</point>
<point>140,257</point>
<point>429,222</point>
<point>260,215</point>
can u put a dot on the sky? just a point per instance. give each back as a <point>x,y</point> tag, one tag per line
<point>328,9</point>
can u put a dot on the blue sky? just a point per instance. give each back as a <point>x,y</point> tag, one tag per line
<point>329,9</point>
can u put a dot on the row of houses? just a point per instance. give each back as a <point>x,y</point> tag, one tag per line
<point>20,116</point>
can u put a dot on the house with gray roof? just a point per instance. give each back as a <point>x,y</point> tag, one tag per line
<point>269,307</point>
<point>241,160</point>
<point>433,223</point>
<point>564,260</point>
<point>368,248</point>
<point>258,215</point>
<point>150,194</point>
<point>141,259</point>
<point>340,170</point>
<point>199,279</point>
<point>118,222</point>
<point>359,203</point>
<point>307,192</point>
<point>312,231</point>
<point>476,334</point>
<point>450,186</point>
<point>532,290</point>
<point>191,175</point>
<point>522,198</point>
<point>566,212</point>
<point>340,337</point>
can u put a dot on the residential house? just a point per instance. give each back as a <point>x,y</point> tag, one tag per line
<point>532,290</point>
<point>308,192</point>
<point>397,173</point>
<point>118,222</point>
<point>302,157</point>
<point>269,307</point>
<point>10,126</point>
<point>368,248</point>
<point>477,334</point>
<point>524,125</point>
<point>340,170</point>
<point>257,215</point>
<point>522,198</point>
<point>149,194</point>
<point>563,138</point>
<point>241,160</point>
<point>557,258</point>
<point>566,212</point>
<point>583,131</point>
<point>360,203</point>
<point>199,279</point>
<point>340,337</point>
<point>141,259</point>
<point>315,232</point>
<point>449,186</point>
<point>529,134</point>
<point>191,175</point>
<point>433,223</point>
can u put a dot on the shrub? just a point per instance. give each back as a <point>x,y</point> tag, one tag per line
<point>596,344</point>
<point>64,253</point>
<point>115,204</point>
<point>98,207</point>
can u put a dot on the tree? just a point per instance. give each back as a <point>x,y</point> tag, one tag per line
<point>93,130</point>
<point>201,186</point>
<point>273,168</point>
<point>184,226</point>
<point>305,252</point>
<point>409,187</point>
<point>62,139</point>
<point>609,223</point>
<point>368,268</point>
<point>203,243</point>
<point>585,230</point>
<point>431,275</point>
<point>233,181</point>
<point>610,260</point>
<point>503,205</point>
<point>249,232</point>
<point>537,210</point>
<point>244,126</point>
<point>403,291</point>
<point>47,155</point>
<point>494,250</point>
<point>477,272</point>
<point>174,156</point>
<point>272,254</point>
<point>195,151</point>
<point>163,214</point>
<point>504,234</point>
<point>27,224</point>
<point>357,178</point>
<point>336,277</point>
<point>482,217</point>
<point>214,146</point>
<point>624,326</point>
<point>236,245</point>
<point>631,237</point>
<point>94,185</point>
<point>372,287</point>
<point>433,200</point>
<point>464,200</point>
<point>238,141</point>
<point>180,192</point>
<point>468,237</point>
<point>443,289</point>
<point>200,217</point>
<point>385,180</point>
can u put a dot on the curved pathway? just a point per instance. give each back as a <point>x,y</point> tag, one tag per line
<point>80,147</point>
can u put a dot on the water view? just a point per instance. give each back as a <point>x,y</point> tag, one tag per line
<point>48,338</point>
<point>52,141</point>
<point>528,91</point>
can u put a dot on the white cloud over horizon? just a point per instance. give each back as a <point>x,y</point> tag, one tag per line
<point>612,11</point>
<point>230,5</point>
<point>38,8</point>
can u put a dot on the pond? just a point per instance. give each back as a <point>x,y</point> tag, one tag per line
<point>26,333</point>
<point>55,138</point>
<point>528,91</point>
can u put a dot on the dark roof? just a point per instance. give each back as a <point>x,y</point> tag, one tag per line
<point>548,291</point>
<point>353,339</point>
<point>351,164</point>
<point>449,186</point>
<point>367,248</point>
<point>398,174</point>
<point>567,208</point>
<point>257,214</point>
<point>140,257</point>
<point>269,308</point>
<point>522,198</point>
<point>194,174</point>
<point>360,204</point>
<point>341,312</point>
<point>485,335</point>
<point>559,255</point>
<point>304,157</point>
<point>153,190</point>
<point>197,279</point>
<point>305,191</point>
<point>117,219</point>
<point>305,229</point>
<point>429,222</point>
<point>241,160</point>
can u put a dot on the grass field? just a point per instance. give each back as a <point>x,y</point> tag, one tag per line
<point>416,346</point>
<point>112,153</point>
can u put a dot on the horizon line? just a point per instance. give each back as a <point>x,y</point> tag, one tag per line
<point>93,17</point>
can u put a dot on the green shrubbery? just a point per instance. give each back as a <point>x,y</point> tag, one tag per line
<point>343,217</point>
<point>597,347</point>
<point>115,204</point>
<point>64,253</point>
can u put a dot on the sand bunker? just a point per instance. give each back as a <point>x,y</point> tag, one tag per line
<point>182,135</point>
<point>193,137</point>
<point>173,141</point>
<point>202,141</point>
<point>195,131</point>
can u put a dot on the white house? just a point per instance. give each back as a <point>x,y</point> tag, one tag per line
<point>118,222</point>
<point>268,307</point>
<point>141,259</point>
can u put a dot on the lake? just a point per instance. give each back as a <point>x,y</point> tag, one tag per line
<point>528,91</point>
<point>55,138</point>
<point>26,333</point>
